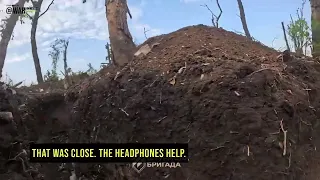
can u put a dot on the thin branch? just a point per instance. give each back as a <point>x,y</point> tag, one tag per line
<point>218,18</point>
<point>275,38</point>
<point>212,15</point>
<point>214,18</point>
<point>46,9</point>
<point>238,32</point>
<point>302,7</point>
<point>30,17</point>
<point>128,10</point>
<point>145,32</point>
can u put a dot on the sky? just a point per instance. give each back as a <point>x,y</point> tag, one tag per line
<point>86,27</point>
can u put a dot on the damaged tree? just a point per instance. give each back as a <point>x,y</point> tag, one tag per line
<point>214,18</point>
<point>122,44</point>
<point>243,20</point>
<point>285,36</point>
<point>64,48</point>
<point>34,21</point>
<point>315,26</point>
<point>6,33</point>
<point>65,44</point>
<point>58,47</point>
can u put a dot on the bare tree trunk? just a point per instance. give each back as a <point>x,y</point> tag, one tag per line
<point>315,26</point>
<point>34,48</point>
<point>285,36</point>
<point>7,33</point>
<point>243,19</point>
<point>65,63</point>
<point>120,38</point>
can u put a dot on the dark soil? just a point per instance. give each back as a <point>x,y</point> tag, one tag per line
<point>227,103</point>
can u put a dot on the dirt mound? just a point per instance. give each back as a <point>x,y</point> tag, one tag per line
<point>222,94</point>
<point>217,91</point>
<point>26,118</point>
<point>13,154</point>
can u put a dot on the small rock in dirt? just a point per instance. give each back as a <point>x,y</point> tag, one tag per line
<point>11,91</point>
<point>286,56</point>
<point>288,108</point>
<point>143,50</point>
<point>203,52</point>
<point>244,71</point>
<point>6,117</point>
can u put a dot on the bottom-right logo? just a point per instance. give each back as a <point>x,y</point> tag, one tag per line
<point>140,166</point>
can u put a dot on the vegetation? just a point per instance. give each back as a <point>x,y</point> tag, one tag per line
<point>55,55</point>
<point>59,48</point>
<point>299,32</point>
<point>91,70</point>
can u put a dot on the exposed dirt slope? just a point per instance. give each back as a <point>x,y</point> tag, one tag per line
<point>223,95</point>
<point>227,103</point>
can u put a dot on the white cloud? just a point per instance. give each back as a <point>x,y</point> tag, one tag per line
<point>46,50</point>
<point>12,58</point>
<point>69,18</point>
<point>21,34</point>
<point>73,19</point>
<point>46,43</point>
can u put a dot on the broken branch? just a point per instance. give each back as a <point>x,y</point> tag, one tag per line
<point>214,18</point>
<point>46,9</point>
<point>128,10</point>
<point>121,109</point>
<point>218,18</point>
<point>145,32</point>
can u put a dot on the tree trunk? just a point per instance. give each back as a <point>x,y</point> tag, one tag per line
<point>34,43</point>
<point>7,33</point>
<point>65,63</point>
<point>243,19</point>
<point>120,38</point>
<point>285,36</point>
<point>315,26</point>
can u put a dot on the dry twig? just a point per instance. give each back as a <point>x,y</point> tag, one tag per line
<point>124,111</point>
<point>117,75</point>
<point>284,138</point>
<point>214,18</point>
<point>145,32</point>
<point>289,161</point>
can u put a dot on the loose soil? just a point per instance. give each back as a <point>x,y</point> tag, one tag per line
<point>222,94</point>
